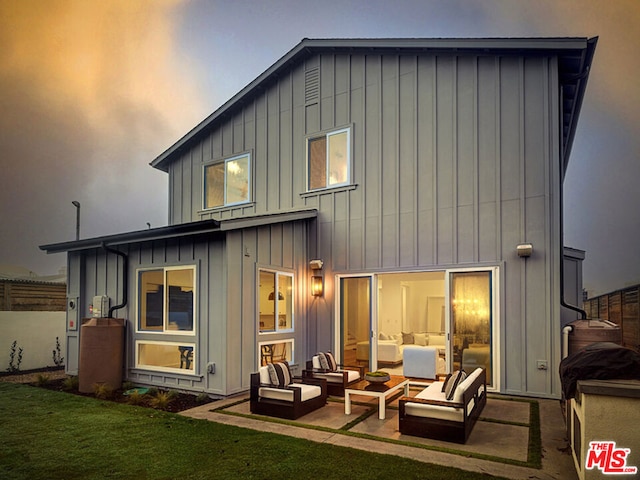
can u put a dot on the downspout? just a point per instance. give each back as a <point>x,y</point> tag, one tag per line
<point>125,276</point>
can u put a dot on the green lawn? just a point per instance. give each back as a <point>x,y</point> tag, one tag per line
<point>51,435</point>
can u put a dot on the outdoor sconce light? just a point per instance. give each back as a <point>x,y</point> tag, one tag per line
<point>524,250</point>
<point>316,286</point>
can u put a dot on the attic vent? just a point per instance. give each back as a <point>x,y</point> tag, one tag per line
<point>312,85</point>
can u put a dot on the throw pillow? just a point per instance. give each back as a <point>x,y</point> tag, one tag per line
<point>279,374</point>
<point>456,379</point>
<point>446,380</point>
<point>383,336</point>
<point>324,364</point>
<point>407,338</point>
<point>333,365</point>
<point>421,339</point>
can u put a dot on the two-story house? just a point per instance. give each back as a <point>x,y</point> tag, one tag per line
<point>358,194</point>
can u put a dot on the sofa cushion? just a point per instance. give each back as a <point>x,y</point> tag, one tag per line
<point>435,411</point>
<point>307,392</point>
<point>457,377</point>
<point>279,374</point>
<point>421,339</point>
<point>463,386</point>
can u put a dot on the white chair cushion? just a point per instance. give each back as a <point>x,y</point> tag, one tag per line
<point>307,392</point>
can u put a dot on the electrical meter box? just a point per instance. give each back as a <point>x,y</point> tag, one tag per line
<point>100,306</point>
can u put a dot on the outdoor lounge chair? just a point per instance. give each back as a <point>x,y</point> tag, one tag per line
<point>275,393</point>
<point>338,377</point>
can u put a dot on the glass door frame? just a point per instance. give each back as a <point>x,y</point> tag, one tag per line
<point>495,321</point>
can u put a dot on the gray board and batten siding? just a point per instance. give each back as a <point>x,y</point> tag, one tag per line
<point>226,256</point>
<point>457,156</point>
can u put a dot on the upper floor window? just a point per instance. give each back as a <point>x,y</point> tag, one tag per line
<point>227,183</point>
<point>329,159</point>
<point>166,300</point>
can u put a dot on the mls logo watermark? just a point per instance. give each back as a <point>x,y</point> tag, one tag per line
<point>609,459</point>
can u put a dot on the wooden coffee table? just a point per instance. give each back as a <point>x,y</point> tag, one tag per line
<point>380,390</point>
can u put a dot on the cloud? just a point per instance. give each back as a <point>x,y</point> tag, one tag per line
<point>91,93</point>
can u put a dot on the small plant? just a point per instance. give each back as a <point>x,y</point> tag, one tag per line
<point>102,391</point>
<point>70,384</point>
<point>202,398</point>
<point>378,373</point>
<point>127,385</point>
<point>135,398</point>
<point>14,364</point>
<point>42,380</point>
<point>161,401</point>
<point>173,394</point>
<point>58,359</point>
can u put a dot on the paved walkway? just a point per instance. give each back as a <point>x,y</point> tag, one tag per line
<point>504,438</point>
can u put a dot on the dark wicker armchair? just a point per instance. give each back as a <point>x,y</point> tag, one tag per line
<point>290,401</point>
<point>338,379</point>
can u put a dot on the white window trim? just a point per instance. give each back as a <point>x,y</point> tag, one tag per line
<point>277,330</point>
<point>326,135</point>
<point>280,340</point>
<point>225,161</point>
<point>140,366</point>
<point>164,331</point>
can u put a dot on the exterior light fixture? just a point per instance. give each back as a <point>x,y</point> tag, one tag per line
<point>524,250</point>
<point>317,287</point>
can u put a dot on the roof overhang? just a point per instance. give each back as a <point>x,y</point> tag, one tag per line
<point>192,229</point>
<point>574,61</point>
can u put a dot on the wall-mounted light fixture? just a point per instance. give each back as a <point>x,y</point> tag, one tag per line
<point>317,287</point>
<point>524,250</point>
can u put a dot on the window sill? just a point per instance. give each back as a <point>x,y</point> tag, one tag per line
<point>166,373</point>
<point>226,208</point>
<point>326,191</point>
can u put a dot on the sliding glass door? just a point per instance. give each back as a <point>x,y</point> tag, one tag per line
<point>471,313</point>
<point>379,315</point>
<point>355,324</point>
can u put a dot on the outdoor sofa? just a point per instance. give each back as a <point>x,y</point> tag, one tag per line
<point>445,413</point>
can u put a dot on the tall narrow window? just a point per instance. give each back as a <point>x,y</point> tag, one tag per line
<point>329,160</point>
<point>228,182</point>
<point>276,302</point>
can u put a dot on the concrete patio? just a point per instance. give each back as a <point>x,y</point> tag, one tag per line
<point>498,445</point>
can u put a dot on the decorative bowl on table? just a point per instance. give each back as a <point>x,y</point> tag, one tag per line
<point>377,377</point>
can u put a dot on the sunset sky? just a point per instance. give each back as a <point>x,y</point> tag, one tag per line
<point>92,91</point>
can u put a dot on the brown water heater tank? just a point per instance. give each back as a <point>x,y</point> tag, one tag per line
<point>101,353</point>
<point>586,332</point>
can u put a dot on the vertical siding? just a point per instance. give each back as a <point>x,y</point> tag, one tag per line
<point>454,164</point>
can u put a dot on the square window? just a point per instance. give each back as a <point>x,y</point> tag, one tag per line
<point>166,300</point>
<point>165,356</point>
<point>228,182</point>
<point>329,162</point>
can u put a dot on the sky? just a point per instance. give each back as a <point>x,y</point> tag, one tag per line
<point>92,91</point>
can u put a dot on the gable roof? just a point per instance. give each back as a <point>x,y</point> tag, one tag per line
<point>575,55</point>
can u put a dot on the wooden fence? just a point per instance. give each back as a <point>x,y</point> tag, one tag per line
<point>622,308</point>
<point>24,295</point>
